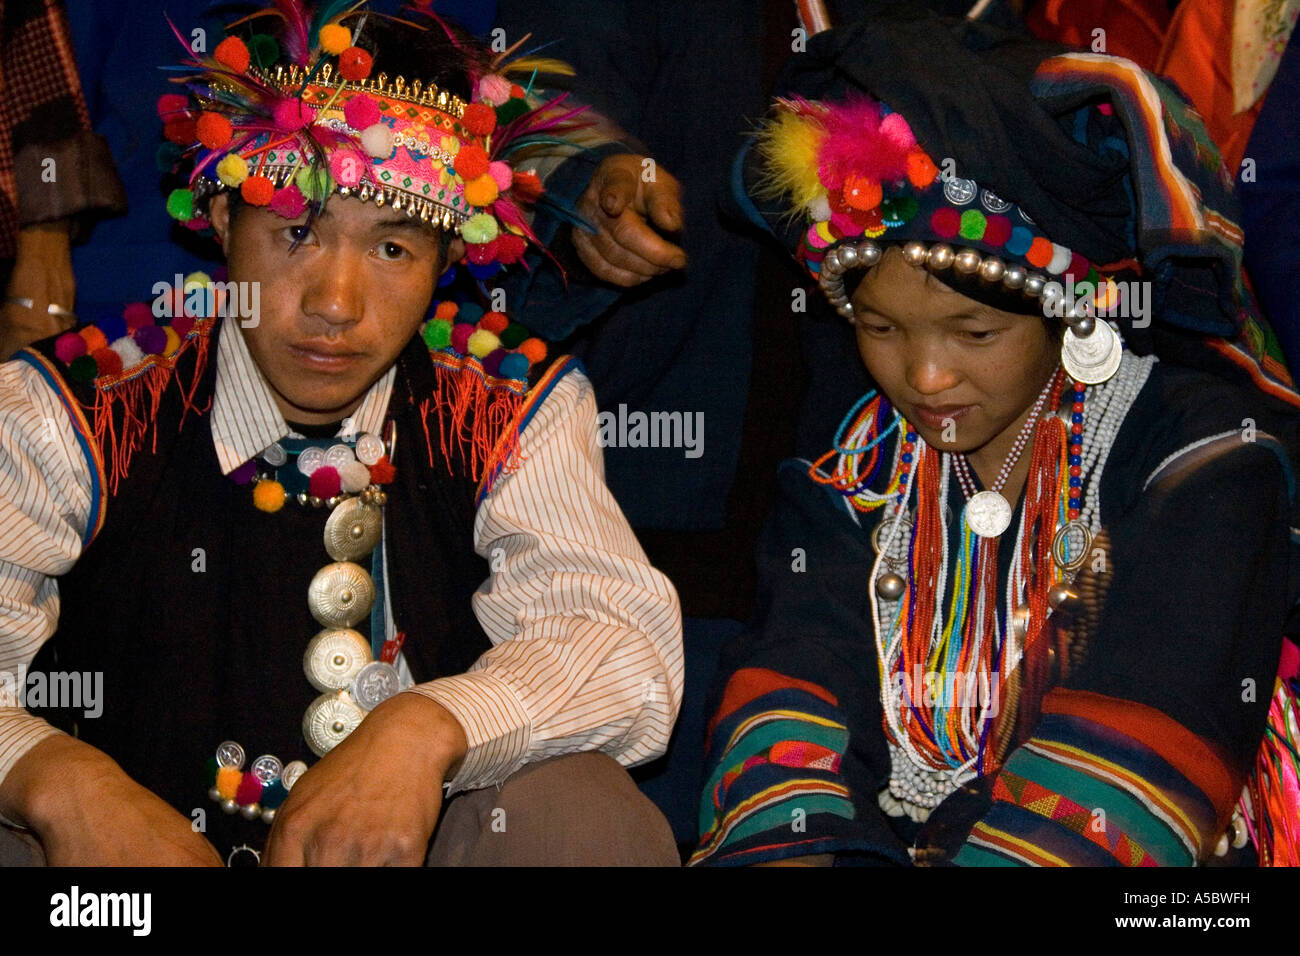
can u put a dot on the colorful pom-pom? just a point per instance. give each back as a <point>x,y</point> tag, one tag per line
<point>481,343</point>
<point>292,114</point>
<point>264,49</point>
<point>355,64</point>
<point>257,190</point>
<point>479,119</point>
<point>324,482</point>
<point>534,350</point>
<point>232,170</point>
<point>945,221</point>
<point>469,312</point>
<point>527,186</point>
<point>137,314</point>
<point>437,334</point>
<point>493,89</point>
<point>249,790</point>
<point>335,38</point>
<point>484,271</point>
<point>479,253</point>
<point>347,167</point>
<point>481,191</point>
<point>354,476</point>
<point>446,310</point>
<point>107,361</point>
<point>460,333</point>
<point>83,369</point>
<point>183,324</point>
<point>171,104</point>
<point>361,112</point>
<point>314,183</point>
<point>228,782</point>
<point>997,230</point>
<point>862,193</point>
<point>151,339</point>
<point>513,365</point>
<point>95,339</point>
<point>289,202</point>
<point>377,141</point>
<point>128,349</point>
<point>471,162</point>
<point>896,129</point>
<point>182,132</point>
<point>972,225</point>
<point>1039,253</point>
<point>180,204</point>
<point>480,227</point>
<point>494,322</point>
<point>274,795</point>
<point>244,473</point>
<point>1019,241</point>
<point>68,347</point>
<point>214,130</point>
<point>921,170</point>
<point>268,496</point>
<point>232,53</point>
<point>512,108</point>
<point>382,472</point>
<point>509,248</point>
<point>513,334</point>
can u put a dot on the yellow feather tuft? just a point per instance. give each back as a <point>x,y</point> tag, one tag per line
<point>539,63</point>
<point>788,144</point>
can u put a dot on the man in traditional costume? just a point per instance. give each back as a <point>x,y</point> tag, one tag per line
<point>262,510</point>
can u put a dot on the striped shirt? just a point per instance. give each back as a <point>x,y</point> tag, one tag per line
<point>586,635</point>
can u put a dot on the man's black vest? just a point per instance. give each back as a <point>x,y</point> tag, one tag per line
<point>193,603</point>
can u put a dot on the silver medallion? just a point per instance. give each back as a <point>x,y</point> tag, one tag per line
<point>267,768</point>
<point>340,594</point>
<point>375,683</point>
<point>993,202</point>
<point>336,456</point>
<point>230,754</point>
<point>1070,545</point>
<point>1093,358</point>
<point>328,721</point>
<point>309,459</point>
<point>353,530</point>
<point>988,514</point>
<point>334,657</point>
<point>292,771</point>
<point>370,448</point>
<point>275,455</point>
<point>960,191</point>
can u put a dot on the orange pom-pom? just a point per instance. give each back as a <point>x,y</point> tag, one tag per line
<point>257,190</point>
<point>921,170</point>
<point>471,162</point>
<point>494,322</point>
<point>268,496</point>
<point>95,339</point>
<point>382,472</point>
<point>232,53</point>
<point>355,64</point>
<point>335,38</point>
<point>479,118</point>
<point>1039,253</point>
<point>446,310</point>
<point>533,349</point>
<point>214,130</point>
<point>481,191</point>
<point>862,193</point>
<point>527,185</point>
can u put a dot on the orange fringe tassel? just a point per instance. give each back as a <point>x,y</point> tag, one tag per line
<point>462,391</point>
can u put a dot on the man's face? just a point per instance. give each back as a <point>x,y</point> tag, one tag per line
<point>336,310</point>
<point>943,357</point>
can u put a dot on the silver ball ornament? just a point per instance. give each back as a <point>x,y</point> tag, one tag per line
<point>940,256</point>
<point>250,811</point>
<point>914,253</point>
<point>229,806</point>
<point>966,262</point>
<point>992,269</point>
<point>890,586</point>
<point>869,253</point>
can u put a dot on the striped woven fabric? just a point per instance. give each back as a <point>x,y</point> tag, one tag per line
<point>1103,782</point>
<point>775,788</point>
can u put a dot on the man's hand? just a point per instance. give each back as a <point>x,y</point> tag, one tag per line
<point>43,273</point>
<point>623,207</point>
<point>374,799</point>
<point>88,812</point>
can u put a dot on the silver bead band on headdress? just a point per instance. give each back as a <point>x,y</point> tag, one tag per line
<point>939,257</point>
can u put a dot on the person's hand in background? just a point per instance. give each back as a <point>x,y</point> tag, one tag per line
<point>630,201</point>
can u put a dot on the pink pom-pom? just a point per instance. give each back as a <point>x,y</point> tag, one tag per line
<point>292,114</point>
<point>69,346</point>
<point>170,105</point>
<point>324,482</point>
<point>493,89</point>
<point>481,253</point>
<point>347,167</point>
<point>501,174</point>
<point>249,791</point>
<point>289,202</point>
<point>137,314</point>
<point>460,333</point>
<point>361,112</point>
<point>895,128</point>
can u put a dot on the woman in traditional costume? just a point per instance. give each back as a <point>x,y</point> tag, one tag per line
<point>1029,608</point>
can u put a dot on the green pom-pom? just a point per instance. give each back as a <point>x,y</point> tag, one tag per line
<point>180,205</point>
<point>511,109</point>
<point>83,369</point>
<point>512,335</point>
<point>973,225</point>
<point>313,183</point>
<point>265,51</point>
<point>169,154</point>
<point>437,333</point>
<point>210,773</point>
<point>898,210</point>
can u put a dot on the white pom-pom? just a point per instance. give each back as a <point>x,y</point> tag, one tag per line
<point>355,476</point>
<point>126,349</point>
<point>820,208</point>
<point>377,140</point>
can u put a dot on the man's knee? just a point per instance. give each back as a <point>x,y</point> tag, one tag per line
<point>576,810</point>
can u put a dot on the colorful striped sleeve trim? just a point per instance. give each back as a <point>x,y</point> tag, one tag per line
<point>774,789</point>
<point>1102,782</point>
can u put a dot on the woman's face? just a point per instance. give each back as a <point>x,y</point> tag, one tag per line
<point>964,374</point>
